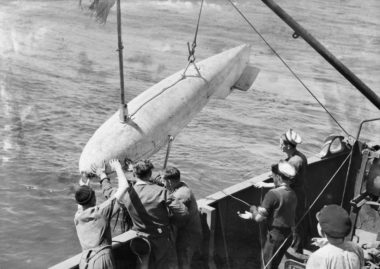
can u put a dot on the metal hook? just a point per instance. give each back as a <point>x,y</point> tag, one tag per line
<point>295,35</point>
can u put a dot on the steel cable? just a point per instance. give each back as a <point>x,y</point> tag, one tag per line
<point>287,66</point>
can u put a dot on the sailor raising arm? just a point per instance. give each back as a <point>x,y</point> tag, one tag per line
<point>92,222</point>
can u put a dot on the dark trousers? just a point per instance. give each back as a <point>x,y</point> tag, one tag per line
<point>275,238</point>
<point>300,233</point>
<point>187,244</point>
<point>163,254</point>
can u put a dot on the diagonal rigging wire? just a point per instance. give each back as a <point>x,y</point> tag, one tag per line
<point>287,66</point>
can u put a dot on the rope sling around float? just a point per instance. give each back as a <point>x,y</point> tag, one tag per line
<point>191,57</point>
<point>101,10</point>
<point>191,61</point>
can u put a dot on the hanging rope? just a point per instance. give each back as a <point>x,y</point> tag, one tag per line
<point>288,67</point>
<point>347,174</point>
<point>191,57</point>
<point>233,197</point>
<point>191,61</point>
<point>261,233</point>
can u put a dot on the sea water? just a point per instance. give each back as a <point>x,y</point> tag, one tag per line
<point>59,81</point>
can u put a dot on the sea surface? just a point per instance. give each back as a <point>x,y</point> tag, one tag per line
<point>59,81</point>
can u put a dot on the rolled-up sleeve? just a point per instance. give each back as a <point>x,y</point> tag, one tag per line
<point>269,202</point>
<point>107,188</point>
<point>108,191</point>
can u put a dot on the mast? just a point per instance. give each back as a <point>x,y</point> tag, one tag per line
<point>123,113</point>
<point>329,57</point>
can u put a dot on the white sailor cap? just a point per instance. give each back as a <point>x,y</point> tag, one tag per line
<point>286,169</point>
<point>292,137</point>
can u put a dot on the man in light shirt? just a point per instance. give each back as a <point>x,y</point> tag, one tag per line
<point>334,224</point>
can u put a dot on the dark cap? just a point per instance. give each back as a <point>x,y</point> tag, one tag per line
<point>142,168</point>
<point>84,194</point>
<point>334,221</point>
<point>172,173</point>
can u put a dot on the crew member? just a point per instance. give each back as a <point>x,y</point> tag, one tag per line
<point>278,209</point>
<point>288,144</point>
<point>92,222</point>
<point>188,234</point>
<point>334,224</point>
<point>152,209</point>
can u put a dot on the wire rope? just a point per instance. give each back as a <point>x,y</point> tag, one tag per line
<point>287,66</point>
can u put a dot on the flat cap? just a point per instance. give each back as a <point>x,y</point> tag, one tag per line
<point>334,221</point>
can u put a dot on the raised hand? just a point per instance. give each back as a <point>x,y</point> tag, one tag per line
<point>115,164</point>
<point>82,183</point>
<point>245,215</point>
<point>98,170</point>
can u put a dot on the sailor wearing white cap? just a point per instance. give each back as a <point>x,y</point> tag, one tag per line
<point>278,208</point>
<point>288,144</point>
<point>291,137</point>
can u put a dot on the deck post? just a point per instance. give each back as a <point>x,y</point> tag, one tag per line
<point>358,188</point>
<point>210,220</point>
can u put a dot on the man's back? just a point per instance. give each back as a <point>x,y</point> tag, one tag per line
<point>299,161</point>
<point>92,225</point>
<point>346,255</point>
<point>151,206</point>
<point>151,209</point>
<point>280,204</point>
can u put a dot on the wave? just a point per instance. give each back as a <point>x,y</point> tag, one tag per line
<point>183,5</point>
